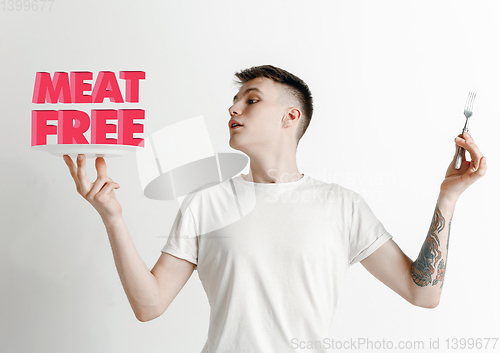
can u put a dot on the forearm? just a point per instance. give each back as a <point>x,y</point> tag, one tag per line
<point>139,283</point>
<point>428,270</point>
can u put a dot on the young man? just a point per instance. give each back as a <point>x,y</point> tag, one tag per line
<point>271,247</point>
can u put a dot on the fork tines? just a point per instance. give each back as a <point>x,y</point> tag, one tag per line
<point>470,102</point>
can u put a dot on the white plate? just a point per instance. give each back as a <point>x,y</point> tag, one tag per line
<point>90,151</point>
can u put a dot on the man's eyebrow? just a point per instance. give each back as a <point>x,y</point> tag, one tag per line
<point>248,90</point>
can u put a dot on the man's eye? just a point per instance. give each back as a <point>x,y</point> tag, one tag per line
<point>252,101</point>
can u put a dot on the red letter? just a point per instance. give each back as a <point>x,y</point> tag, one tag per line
<point>132,84</point>
<point>70,133</point>
<point>78,87</point>
<point>57,90</point>
<point>105,80</point>
<point>126,127</point>
<point>39,127</point>
<point>100,128</point>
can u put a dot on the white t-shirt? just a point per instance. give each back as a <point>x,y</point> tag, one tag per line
<point>271,258</point>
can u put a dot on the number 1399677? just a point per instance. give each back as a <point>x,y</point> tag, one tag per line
<point>471,343</point>
<point>27,5</point>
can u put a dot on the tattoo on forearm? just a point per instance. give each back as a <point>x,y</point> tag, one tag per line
<point>440,274</point>
<point>423,267</point>
<point>442,266</point>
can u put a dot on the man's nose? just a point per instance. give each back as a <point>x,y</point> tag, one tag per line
<point>234,110</point>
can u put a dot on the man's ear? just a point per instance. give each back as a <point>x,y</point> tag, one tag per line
<point>292,117</point>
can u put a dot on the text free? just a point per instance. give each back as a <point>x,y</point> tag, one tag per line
<point>72,124</point>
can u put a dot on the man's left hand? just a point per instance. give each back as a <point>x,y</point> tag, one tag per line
<point>457,181</point>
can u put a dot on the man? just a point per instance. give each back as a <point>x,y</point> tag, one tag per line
<point>271,247</point>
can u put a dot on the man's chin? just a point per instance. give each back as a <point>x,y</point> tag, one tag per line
<point>236,146</point>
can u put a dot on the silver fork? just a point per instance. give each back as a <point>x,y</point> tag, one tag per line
<point>468,114</point>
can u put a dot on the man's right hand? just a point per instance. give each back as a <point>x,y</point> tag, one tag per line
<point>100,193</point>
<point>149,292</point>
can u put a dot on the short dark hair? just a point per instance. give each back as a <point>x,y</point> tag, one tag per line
<point>297,89</point>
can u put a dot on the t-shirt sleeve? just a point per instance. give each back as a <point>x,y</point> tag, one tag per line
<point>183,240</point>
<point>367,233</point>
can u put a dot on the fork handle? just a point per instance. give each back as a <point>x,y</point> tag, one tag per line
<point>458,157</point>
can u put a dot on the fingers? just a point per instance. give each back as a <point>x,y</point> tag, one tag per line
<point>105,192</point>
<point>108,188</point>
<point>100,166</point>
<point>71,166</point>
<point>468,143</point>
<point>78,173</point>
<point>81,162</point>
<point>478,170</point>
<point>102,186</point>
<point>477,167</point>
<point>83,182</point>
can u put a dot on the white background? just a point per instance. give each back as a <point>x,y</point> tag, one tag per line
<point>389,80</point>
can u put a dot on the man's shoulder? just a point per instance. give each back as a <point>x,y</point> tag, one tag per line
<point>210,189</point>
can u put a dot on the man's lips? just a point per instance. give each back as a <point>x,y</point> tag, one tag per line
<point>233,122</point>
